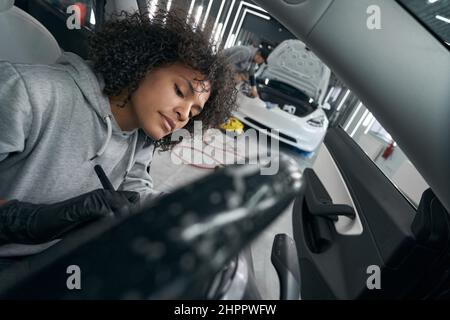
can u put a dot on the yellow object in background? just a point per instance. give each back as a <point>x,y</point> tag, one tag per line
<point>233,125</point>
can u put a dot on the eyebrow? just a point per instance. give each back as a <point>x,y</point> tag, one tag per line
<point>192,90</point>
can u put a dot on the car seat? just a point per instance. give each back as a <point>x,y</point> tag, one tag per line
<point>23,38</point>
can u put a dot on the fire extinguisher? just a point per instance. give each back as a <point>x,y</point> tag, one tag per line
<point>83,12</point>
<point>388,151</point>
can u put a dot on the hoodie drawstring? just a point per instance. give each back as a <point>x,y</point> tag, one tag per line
<point>108,137</point>
<point>133,150</point>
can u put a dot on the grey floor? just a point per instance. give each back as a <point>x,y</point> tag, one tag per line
<point>168,174</point>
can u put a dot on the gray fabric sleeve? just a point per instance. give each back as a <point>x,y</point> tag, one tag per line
<point>15,111</point>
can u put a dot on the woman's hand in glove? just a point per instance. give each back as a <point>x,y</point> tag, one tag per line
<point>23,222</point>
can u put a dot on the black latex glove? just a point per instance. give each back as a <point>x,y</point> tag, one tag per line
<point>23,222</point>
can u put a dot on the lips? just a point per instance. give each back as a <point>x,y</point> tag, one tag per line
<point>169,124</point>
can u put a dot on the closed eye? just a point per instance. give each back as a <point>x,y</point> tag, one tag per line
<point>197,112</point>
<point>178,91</point>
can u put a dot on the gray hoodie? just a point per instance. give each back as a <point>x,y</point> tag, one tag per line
<point>55,126</point>
<point>241,57</point>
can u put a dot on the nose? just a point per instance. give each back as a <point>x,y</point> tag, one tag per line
<point>182,111</point>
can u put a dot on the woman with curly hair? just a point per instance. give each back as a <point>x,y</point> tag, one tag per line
<point>144,79</point>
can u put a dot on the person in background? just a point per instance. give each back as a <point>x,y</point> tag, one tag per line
<point>244,60</point>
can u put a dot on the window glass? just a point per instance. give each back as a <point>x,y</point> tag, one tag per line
<point>434,14</point>
<point>381,148</point>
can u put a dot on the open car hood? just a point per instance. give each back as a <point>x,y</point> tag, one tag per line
<point>293,63</point>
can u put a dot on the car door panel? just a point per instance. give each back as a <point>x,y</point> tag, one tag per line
<point>343,268</point>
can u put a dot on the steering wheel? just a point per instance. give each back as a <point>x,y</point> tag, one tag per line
<point>172,249</point>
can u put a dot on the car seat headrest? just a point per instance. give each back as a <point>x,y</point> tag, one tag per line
<point>6,5</point>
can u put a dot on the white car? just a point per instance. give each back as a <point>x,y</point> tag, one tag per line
<point>291,89</point>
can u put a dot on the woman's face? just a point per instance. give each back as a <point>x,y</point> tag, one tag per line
<point>167,98</point>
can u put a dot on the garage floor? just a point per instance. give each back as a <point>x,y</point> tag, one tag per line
<point>171,170</point>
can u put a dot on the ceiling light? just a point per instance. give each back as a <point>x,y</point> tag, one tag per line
<point>443,18</point>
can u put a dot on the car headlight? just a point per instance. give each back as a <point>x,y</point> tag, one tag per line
<point>317,121</point>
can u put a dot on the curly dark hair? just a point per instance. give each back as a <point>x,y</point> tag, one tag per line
<point>128,46</point>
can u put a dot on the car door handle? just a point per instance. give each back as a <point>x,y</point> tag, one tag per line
<point>319,202</point>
